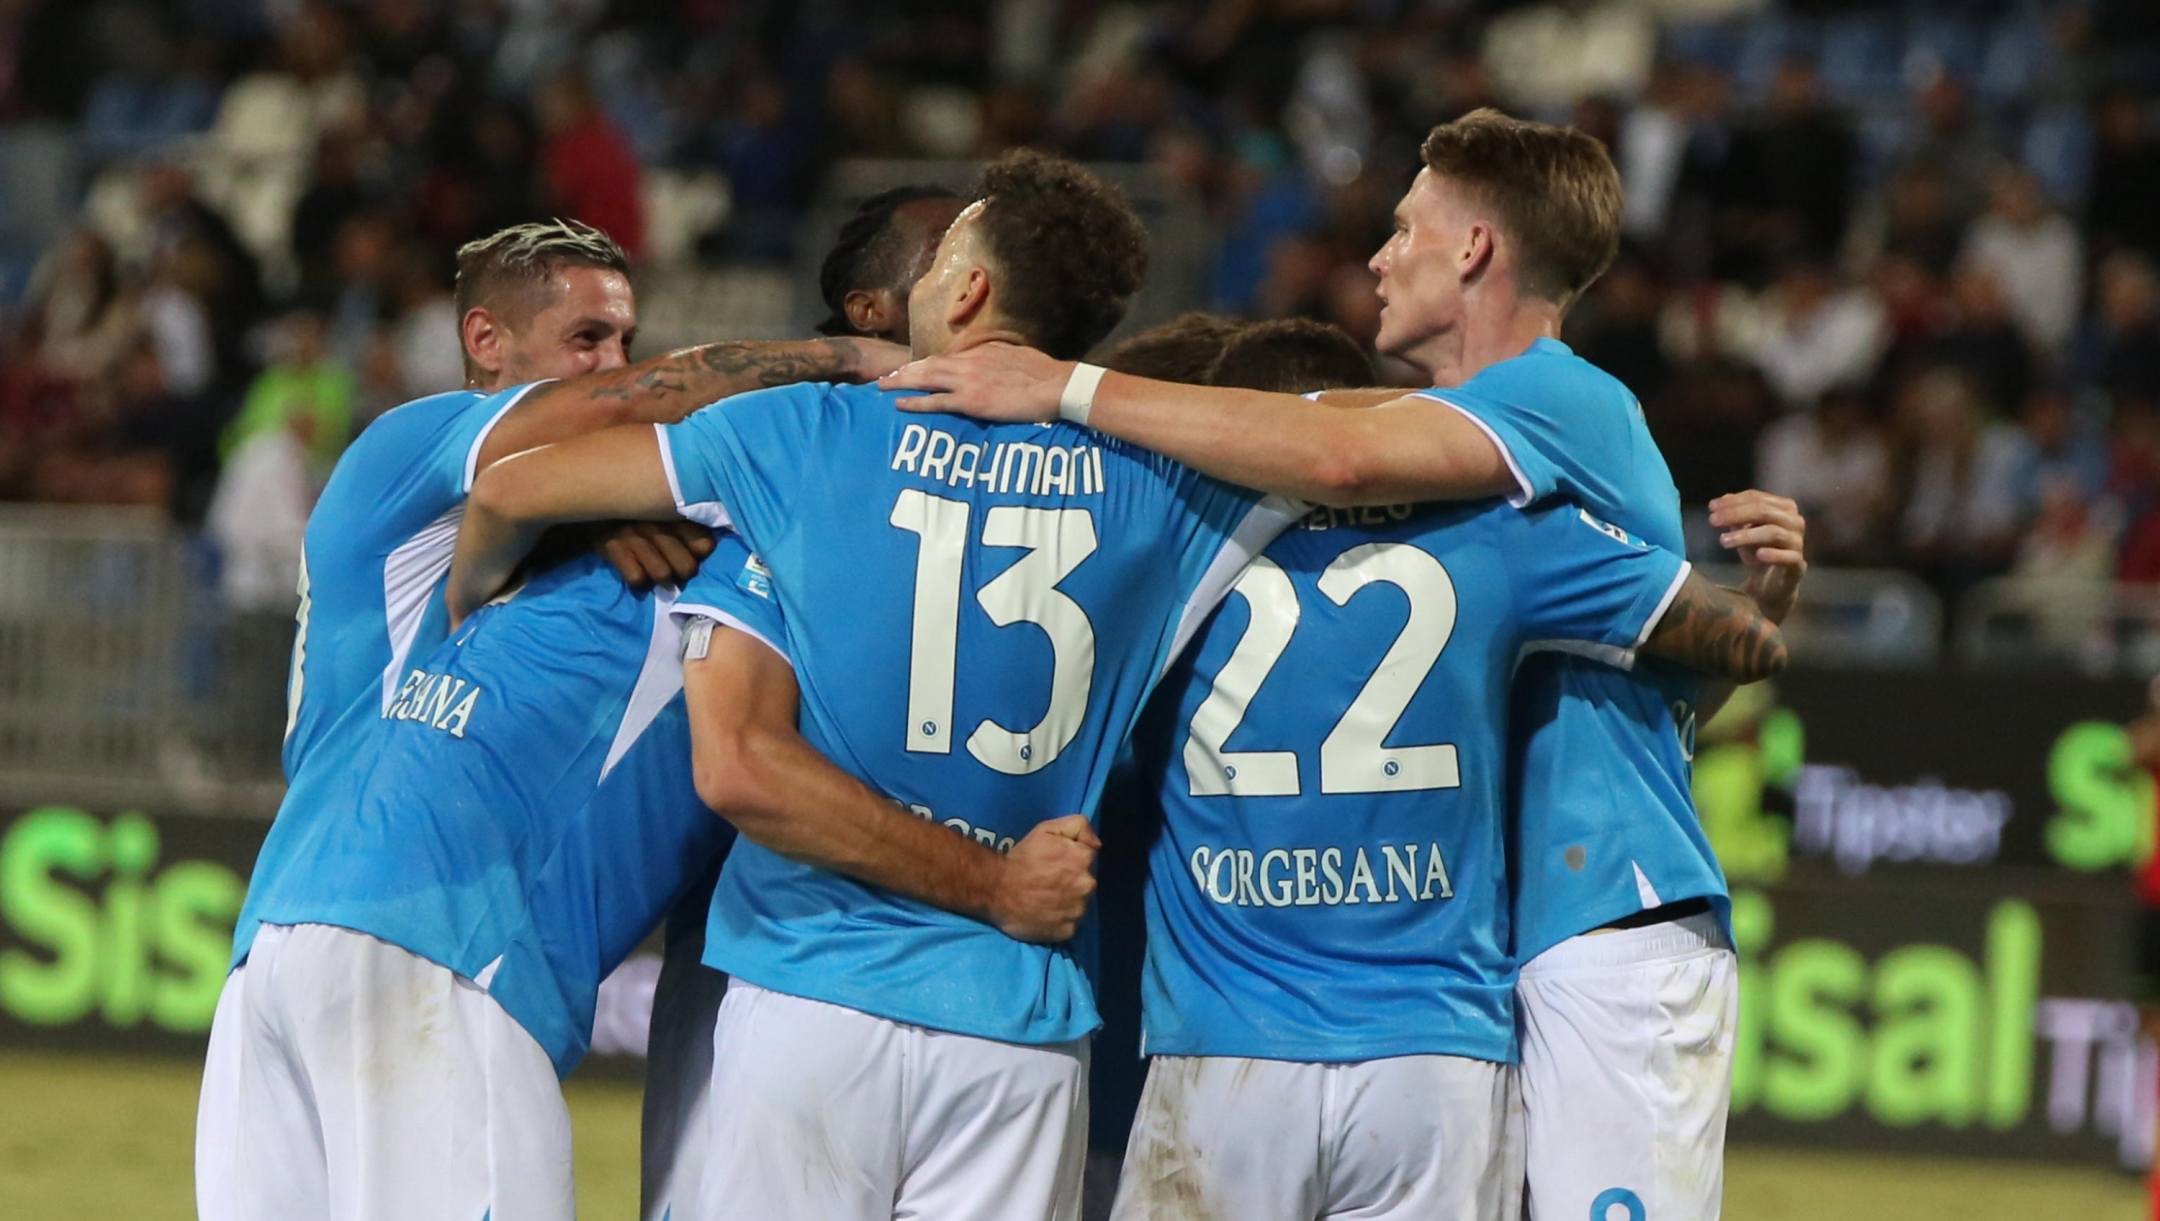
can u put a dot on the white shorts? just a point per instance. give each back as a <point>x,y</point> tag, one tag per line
<point>351,1080</point>
<point>678,1076</point>
<point>1416,1138</point>
<point>830,1114</point>
<point>1627,1045</point>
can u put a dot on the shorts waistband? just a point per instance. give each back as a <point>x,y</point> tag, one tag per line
<point>1628,947</point>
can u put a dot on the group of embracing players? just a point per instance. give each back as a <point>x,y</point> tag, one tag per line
<point>832,656</point>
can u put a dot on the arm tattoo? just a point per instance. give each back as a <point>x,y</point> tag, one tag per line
<point>680,382</point>
<point>1720,632</point>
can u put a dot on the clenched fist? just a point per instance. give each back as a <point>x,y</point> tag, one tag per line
<point>1045,881</point>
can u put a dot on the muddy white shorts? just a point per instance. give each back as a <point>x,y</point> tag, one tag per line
<point>829,1113</point>
<point>1412,1138</point>
<point>1627,1045</point>
<point>351,1080</point>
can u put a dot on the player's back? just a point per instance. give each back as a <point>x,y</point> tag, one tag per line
<point>527,813</point>
<point>1607,819</point>
<point>378,544</point>
<point>976,613</point>
<point>1329,883</point>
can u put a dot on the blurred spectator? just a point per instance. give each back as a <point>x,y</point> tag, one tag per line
<point>591,173</point>
<point>1956,142</point>
<point>2118,348</point>
<point>359,294</point>
<point>1707,425</point>
<point>46,63</point>
<point>198,249</point>
<point>762,158</point>
<point>1961,517</point>
<point>1834,462</point>
<point>2125,195</point>
<point>1911,219</point>
<point>1974,334</point>
<point>1821,336</point>
<point>304,392</point>
<point>79,322</point>
<point>115,447</point>
<point>332,197</point>
<point>429,356</point>
<point>1616,327</point>
<point>2034,254</point>
<point>1793,172</point>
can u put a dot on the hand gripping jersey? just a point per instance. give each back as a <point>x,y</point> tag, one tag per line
<point>976,613</point>
<point>377,548</point>
<point>1329,883</point>
<point>1606,817</point>
<point>527,814</point>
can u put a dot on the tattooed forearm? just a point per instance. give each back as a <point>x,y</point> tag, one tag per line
<point>668,387</point>
<point>1720,632</point>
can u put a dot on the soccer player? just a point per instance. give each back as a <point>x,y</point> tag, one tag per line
<point>1328,986</point>
<point>1628,989</point>
<point>974,614</point>
<point>544,301</point>
<point>879,254</point>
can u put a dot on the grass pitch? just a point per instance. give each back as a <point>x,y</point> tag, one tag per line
<point>97,1138</point>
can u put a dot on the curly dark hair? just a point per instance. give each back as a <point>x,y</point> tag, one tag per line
<point>1292,356</point>
<point>869,253</point>
<point>1180,350</point>
<point>1071,248</point>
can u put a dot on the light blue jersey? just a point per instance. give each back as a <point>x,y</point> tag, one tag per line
<point>976,613</point>
<point>527,814</point>
<point>371,572</point>
<point>1606,822</point>
<point>1329,883</point>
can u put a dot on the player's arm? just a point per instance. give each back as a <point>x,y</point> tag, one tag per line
<point>1409,449</point>
<point>1770,536</point>
<point>755,770</point>
<point>616,473</point>
<point>1721,632</point>
<point>665,388</point>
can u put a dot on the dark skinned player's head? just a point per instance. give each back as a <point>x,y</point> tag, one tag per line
<point>880,253</point>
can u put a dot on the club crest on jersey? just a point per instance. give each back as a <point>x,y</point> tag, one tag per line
<point>437,700</point>
<point>1314,877</point>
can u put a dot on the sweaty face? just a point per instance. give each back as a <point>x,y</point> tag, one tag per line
<point>587,326</point>
<point>1419,268</point>
<point>931,301</point>
<point>921,227</point>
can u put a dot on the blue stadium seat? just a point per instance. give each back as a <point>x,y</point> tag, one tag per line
<point>1862,59</point>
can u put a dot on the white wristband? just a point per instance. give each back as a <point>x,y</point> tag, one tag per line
<point>1079,397</point>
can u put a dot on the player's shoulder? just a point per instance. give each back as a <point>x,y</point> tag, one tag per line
<point>1549,368</point>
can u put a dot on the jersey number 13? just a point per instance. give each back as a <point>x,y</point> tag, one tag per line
<point>1057,540</point>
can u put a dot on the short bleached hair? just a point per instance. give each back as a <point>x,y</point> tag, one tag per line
<point>508,272</point>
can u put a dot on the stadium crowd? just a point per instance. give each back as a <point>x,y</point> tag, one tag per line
<point>1897,263</point>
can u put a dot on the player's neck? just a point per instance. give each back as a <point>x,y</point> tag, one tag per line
<point>1492,330</point>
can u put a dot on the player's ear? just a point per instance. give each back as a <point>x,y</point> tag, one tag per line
<point>487,341</point>
<point>1478,252</point>
<point>869,312</point>
<point>973,298</point>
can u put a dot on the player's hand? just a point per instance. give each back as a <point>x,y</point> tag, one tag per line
<point>871,359</point>
<point>1045,881</point>
<point>649,553</point>
<point>1770,536</point>
<point>1003,382</point>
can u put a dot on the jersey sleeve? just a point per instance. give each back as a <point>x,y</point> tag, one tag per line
<point>737,461</point>
<point>1586,586</point>
<point>1550,452</point>
<point>457,459</point>
<point>733,589</point>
